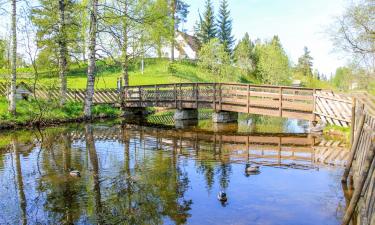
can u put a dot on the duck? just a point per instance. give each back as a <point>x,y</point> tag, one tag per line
<point>252,169</point>
<point>222,196</point>
<point>75,173</point>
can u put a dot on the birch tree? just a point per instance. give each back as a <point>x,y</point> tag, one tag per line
<point>12,94</point>
<point>91,71</point>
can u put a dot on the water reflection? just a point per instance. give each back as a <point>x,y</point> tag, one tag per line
<point>133,174</point>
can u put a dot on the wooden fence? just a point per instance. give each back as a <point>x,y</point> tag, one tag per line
<point>101,96</point>
<point>361,163</point>
<point>333,108</point>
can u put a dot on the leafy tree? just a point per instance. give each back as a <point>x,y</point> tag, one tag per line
<point>273,65</point>
<point>305,63</point>
<point>343,78</point>
<point>244,55</point>
<point>59,29</point>
<point>207,27</point>
<point>224,27</point>
<point>214,58</point>
<point>354,31</point>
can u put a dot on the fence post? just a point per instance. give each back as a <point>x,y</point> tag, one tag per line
<point>248,98</point>
<point>196,94</point>
<point>353,149</point>
<point>175,94</point>
<point>358,190</point>
<point>281,102</point>
<point>314,104</point>
<point>214,97</point>
<point>354,102</point>
<point>220,96</point>
<point>140,96</point>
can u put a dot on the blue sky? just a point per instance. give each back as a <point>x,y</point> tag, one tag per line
<point>298,23</point>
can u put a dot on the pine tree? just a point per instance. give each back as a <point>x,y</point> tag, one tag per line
<point>224,25</point>
<point>208,29</point>
<point>305,63</point>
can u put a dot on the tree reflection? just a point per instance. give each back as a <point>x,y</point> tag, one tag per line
<point>62,192</point>
<point>90,146</point>
<point>149,191</point>
<point>20,186</point>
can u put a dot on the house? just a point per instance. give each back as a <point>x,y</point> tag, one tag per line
<point>186,47</point>
<point>23,91</point>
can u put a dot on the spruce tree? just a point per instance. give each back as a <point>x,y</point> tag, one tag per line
<point>305,63</point>
<point>208,29</point>
<point>224,25</point>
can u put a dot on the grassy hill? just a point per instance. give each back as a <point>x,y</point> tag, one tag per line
<point>157,71</point>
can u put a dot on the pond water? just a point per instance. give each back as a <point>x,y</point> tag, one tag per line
<point>134,174</point>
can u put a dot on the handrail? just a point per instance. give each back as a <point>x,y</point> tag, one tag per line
<point>231,84</point>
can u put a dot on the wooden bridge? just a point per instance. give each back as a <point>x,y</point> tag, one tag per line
<point>281,101</point>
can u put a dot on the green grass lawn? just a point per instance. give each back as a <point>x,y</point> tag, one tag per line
<point>156,72</point>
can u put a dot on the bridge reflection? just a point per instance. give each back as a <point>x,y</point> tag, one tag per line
<point>291,150</point>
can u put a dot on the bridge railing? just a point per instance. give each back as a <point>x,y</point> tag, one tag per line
<point>280,101</point>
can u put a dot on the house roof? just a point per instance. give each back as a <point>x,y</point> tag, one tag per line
<point>192,41</point>
<point>24,85</point>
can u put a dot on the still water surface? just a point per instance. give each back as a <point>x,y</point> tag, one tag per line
<point>132,174</point>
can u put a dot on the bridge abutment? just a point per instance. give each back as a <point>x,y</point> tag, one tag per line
<point>186,114</point>
<point>136,111</point>
<point>224,117</point>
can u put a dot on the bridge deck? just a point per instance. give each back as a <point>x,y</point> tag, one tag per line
<point>288,102</point>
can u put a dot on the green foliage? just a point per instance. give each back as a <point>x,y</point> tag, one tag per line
<point>215,59</point>
<point>46,19</point>
<point>207,27</point>
<point>305,63</point>
<point>244,55</point>
<point>224,27</point>
<point>273,65</point>
<point>343,78</point>
<point>3,50</point>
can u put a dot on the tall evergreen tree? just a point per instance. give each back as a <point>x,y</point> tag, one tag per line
<point>305,63</point>
<point>208,27</point>
<point>224,25</point>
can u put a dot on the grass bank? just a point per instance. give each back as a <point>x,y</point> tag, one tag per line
<point>156,71</point>
<point>33,112</point>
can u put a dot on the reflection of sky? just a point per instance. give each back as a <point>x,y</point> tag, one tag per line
<point>275,196</point>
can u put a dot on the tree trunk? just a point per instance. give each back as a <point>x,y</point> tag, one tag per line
<point>12,94</point>
<point>125,57</point>
<point>62,52</point>
<point>92,60</point>
<point>173,29</point>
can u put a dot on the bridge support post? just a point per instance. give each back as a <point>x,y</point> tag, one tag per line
<point>224,117</point>
<point>186,114</point>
